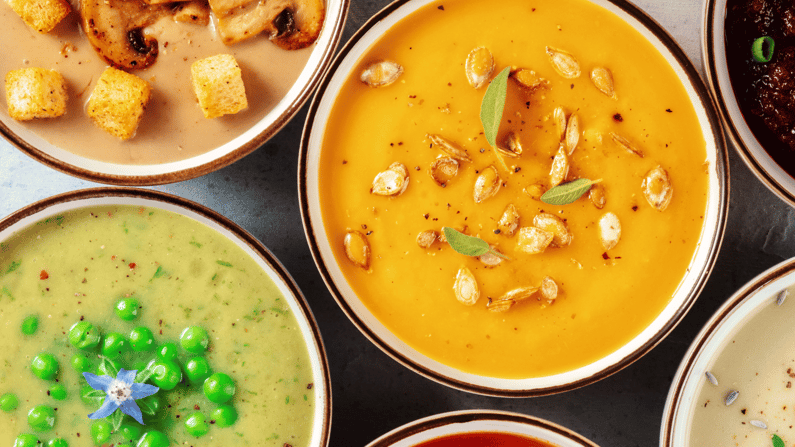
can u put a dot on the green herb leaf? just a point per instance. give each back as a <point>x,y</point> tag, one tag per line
<point>466,245</point>
<point>159,272</point>
<point>14,265</point>
<point>778,442</point>
<point>224,263</point>
<point>568,192</point>
<point>116,419</point>
<point>95,394</point>
<point>493,104</point>
<point>145,373</point>
<point>148,405</point>
<point>108,366</point>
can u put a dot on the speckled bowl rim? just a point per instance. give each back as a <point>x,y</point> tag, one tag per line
<point>23,218</point>
<point>748,147</point>
<point>157,174</point>
<point>467,421</point>
<point>724,322</point>
<point>706,253</point>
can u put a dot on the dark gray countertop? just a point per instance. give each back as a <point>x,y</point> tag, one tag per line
<point>372,393</point>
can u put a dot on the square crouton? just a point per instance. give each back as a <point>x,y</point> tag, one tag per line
<point>118,101</point>
<point>35,93</point>
<point>218,85</point>
<point>41,15</point>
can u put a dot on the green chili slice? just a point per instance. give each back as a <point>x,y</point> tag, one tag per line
<point>762,49</point>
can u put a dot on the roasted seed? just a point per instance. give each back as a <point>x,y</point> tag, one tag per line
<point>731,397</point>
<point>554,225</point>
<point>357,249</point>
<point>712,379</point>
<point>597,196</point>
<point>549,288</point>
<point>519,293</point>
<point>603,80</point>
<point>560,167</point>
<point>609,230</point>
<point>657,188</point>
<point>489,259</point>
<point>443,169</point>
<point>479,66</point>
<point>559,116</point>
<point>500,305</point>
<point>535,191</point>
<point>509,222</point>
<point>564,63</point>
<point>512,146</point>
<point>381,74</point>
<point>781,297</point>
<point>487,184</point>
<point>572,133</point>
<point>392,182</point>
<point>426,238</point>
<point>625,144</point>
<point>528,79</point>
<point>449,148</point>
<point>533,240</point>
<point>466,287</point>
<point>758,424</point>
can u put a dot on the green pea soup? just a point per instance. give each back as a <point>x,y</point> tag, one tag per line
<point>77,265</point>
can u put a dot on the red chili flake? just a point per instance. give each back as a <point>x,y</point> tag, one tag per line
<point>131,265</point>
<point>605,255</point>
<point>196,407</point>
<point>635,208</point>
<point>309,387</point>
<point>618,117</point>
<point>43,275</point>
<point>113,258</point>
<point>440,8</point>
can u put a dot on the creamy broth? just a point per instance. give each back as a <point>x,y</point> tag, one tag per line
<point>183,274</point>
<point>759,362</point>
<point>173,127</point>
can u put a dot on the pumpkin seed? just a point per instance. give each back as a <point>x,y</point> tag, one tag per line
<point>426,238</point>
<point>381,74</point>
<point>731,396</point>
<point>443,169</point>
<point>533,240</point>
<point>509,222</point>
<point>466,287</point>
<point>449,148</point>
<point>609,230</point>
<point>519,293</point>
<point>781,297</point>
<point>555,226</point>
<point>487,184</point>
<point>489,259</point>
<point>357,249</point>
<point>549,288</point>
<point>712,379</point>
<point>559,116</point>
<point>560,167</point>
<point>392,182</point>
<point>528,79</point>
<point>500,305</point>
<point>625,144</point>
<point>535,191</point>
<point>602,78</point>
<point>572,133</point>
<point>479,66</point>
<point>657,188</point>
<point>564,63</point>
<point>597,196</point>
<point>512,146</point>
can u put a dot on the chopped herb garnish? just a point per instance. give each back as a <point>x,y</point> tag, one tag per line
<point>14,265</point>
<point>224,263</point>
<point>778,442</point>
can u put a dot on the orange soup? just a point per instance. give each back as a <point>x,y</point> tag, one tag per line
<point>608,285</point>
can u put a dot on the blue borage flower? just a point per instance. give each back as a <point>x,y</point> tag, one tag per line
<point>121,394</point>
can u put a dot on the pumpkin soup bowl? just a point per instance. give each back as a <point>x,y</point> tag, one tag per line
<point>488,426</point>
<point>214,321</point>
<point>393,151</point>
<point>735,380</point>
<point>174,141</point>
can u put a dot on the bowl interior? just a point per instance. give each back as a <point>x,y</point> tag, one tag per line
<point>57,205</point>
<point>686,293</point>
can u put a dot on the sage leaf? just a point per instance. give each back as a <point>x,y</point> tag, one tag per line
<point>778,442</point>
<point>568,192</point>
<point>493,104</point>
<point>116,419</point>
<point>463,244</point>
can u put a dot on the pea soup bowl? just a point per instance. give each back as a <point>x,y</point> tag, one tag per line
<point>396,159</point>
<point>145,318</point>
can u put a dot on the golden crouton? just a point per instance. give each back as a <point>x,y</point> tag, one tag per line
<point>118,101</point>
<point>218,85</point>
<point>35,93</point>
<point>41,15</point>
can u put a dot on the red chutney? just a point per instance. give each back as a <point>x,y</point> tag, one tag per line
<point>485,439</point>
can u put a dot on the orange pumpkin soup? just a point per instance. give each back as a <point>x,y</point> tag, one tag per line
<point>610,284</point>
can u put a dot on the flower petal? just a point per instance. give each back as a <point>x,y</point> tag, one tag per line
<point>130,408</point>
<point>107,408</point>
<point>126,376</point>
<point>141,390</point>
<point>98,382</point>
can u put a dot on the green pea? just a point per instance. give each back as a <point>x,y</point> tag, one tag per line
<point>58,392</point>
<point>196,425</point>
<point>57,442</point>
<point>194,340</point>
<point>83,335</point>
<point>100,431</point>
<point>224,416</point>
<point>130,432</point>
<point>9,402</point>
<point>153,438</point>
<point>219,388</point>
<point>127,309</point>
<point>115,345</point>
<point>108,368</point>
<point>197,369</point>
<point>149,405</point>
<point>81,363</point>
<point>167,351</point>
<point>30,324</point>
<point>26,440</point>
<point>92,397</point>
<point>123,445</point>
<point>142,339</point>
<point>41,418</point>
<point>45,366</point>
<point>166,375</point>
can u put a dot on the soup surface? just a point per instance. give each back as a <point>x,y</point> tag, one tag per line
<point>485,439</point>
<point>758,363</point>
<point>76,267</point>
<point>606,297</point>
<point>173,127</point>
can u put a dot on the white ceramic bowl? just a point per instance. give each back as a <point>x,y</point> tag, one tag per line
<point>57,205</point>
<point>766,169</point>
<point>726,321</point>
<point>215,158</point>
<point>368,324</point>
<point>459,422</point>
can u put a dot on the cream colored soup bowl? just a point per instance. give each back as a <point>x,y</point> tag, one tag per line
<point>489,421</point>
<point>50,210</point>
<point>685,295</point>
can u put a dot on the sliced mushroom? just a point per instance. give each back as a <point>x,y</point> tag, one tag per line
<point>195,11</point>
<point>381,74</point>
<point>487,184</point>
<point>290,24</point>
<point>115,30</point>
<point>556,226</point>
<point>448,147</point>
<point>657,188</point>
<point>357,249</point>
<point>609,230</point>
<point>443,169</point>
<point>509,222</point>
<point>466,287</point>
<point>533,240</point>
